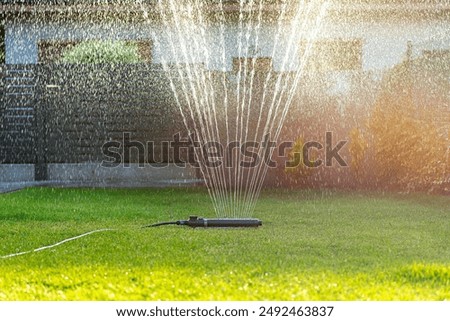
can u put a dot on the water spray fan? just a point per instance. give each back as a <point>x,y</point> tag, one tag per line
<point>195,221</point>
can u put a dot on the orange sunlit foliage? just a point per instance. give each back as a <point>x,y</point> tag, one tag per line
<point>410,149</point>
<point>357,148</point>
<point>400,141</point>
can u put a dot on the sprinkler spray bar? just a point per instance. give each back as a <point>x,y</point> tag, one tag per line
<point>195,221</point>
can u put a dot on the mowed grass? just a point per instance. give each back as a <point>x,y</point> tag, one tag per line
<point>314,245</point>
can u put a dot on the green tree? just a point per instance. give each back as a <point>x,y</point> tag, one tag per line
<point>95,51</point>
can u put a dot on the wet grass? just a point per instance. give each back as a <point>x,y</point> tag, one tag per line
<point>314,245</point>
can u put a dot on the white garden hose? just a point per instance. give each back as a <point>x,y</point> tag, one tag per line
<point>56,244</point>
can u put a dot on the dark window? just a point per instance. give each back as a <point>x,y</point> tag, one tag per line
<point>52,50</point>
<point>262,64</point>
<point>437,53</point>
<point>145,49</point>
<point>334,55</point>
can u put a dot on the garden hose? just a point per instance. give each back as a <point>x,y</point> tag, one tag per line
<point>193,222</point>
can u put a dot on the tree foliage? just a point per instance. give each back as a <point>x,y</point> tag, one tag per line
<point>410,147</point>
<point>95,51</point>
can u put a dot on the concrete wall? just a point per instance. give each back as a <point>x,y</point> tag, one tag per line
<point>16,173</point>
<point>93,174</point>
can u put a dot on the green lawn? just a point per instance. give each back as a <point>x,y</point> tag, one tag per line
<point>314,245</point>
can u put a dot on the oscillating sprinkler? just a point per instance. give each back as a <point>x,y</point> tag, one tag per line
<point>195,221</point>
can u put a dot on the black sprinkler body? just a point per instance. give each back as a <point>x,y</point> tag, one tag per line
<point>195,221</point>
